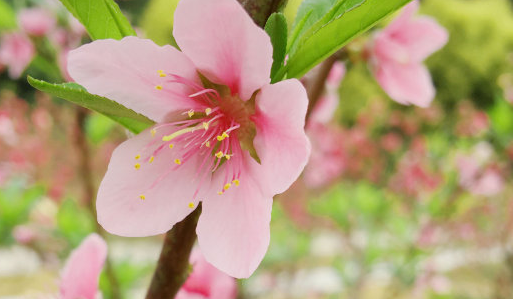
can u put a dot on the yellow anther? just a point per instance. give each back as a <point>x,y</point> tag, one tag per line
<point>153,132</point>
<point>191,205</point>
<point>219,154</point>
<point>227,186</point>
<point>207,144</point>
<point>178,161</point>
<point>138,157</point>
<point>161,73</point>
<point>137,166</point>
<point>208,111</point>
<point>142,197</point>
<point>236,182</point>
<point>225,135</point>
<point>190,113</point>
<point>228,157</point>
<point>158,87</point>
<point>151,159</point>
<point>171,146</point>
<point>205,125</point>
<point>220,192</point>
<point>220,138</point>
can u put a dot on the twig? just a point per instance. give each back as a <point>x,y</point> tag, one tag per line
<point>173,265</point>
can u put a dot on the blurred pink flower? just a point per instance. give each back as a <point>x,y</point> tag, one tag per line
<point>23,234</point>
<point>36,21</point>
<point>328,159</point>
<point>79,278</point>
<point>478,179</point>
<point>209,136</point>
<point>397,53</point>
<point>206,282</point>
<point>16,52</point>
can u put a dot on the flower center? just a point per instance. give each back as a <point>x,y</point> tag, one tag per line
<point>216,129</point>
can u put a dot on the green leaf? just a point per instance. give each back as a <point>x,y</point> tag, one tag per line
<point>7,16</point>
<point>102,18</point>
<point>77,94</point>
<point>276,27</point>
<point>326,39</point>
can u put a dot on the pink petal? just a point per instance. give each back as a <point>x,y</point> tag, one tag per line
<point>79,278</point>
<point>16,52</point>
<point>281,141</point>
<point>126,71</point>
<point>406,83</point>
<point>404,16</point>
<point>36,21</point>
<point>422,37</point>
<point>224,43</point>
<point>208,281</point>
<point>233,229</point>
<point>121,210</point>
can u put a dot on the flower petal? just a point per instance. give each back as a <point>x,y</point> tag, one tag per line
<point>126,71</point>
<point>422,37</point>
<point>167,193</point>
<point>79,278</point>
<point>406,83</point>
<point>281,141</point>
<point>233,229</point>
<point>224,43</point>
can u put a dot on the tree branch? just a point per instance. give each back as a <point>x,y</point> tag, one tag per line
<point>260,10</point>
<point>173,265</point>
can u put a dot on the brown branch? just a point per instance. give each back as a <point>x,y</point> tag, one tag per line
<point>173,265</point>
<point>85,172</point>
<point>316,87</point>
<point>260,10</point>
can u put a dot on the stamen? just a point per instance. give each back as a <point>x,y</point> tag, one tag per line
<point>138,157</point>
<point>227,186</point>
<point>137,166</point>
<point>158,87</point>
<point>161,73</point>
<point>178,161</point>
<point>178,133</point>
<point>151,159</point>
<point>228,157</point>
<point>171,146</point>
<point>190,113</point>
<point>207,144</point>
<point>208,111</point>
<point>153,132</point>
<point>219,154</point>
<point>142,197</point>
<point>205,125</point>
<point>220,193</point>
<point>191,205</point>
<point>236,182</point>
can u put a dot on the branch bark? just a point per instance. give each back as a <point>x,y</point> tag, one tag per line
<point>173,265</point>
<point>260,10</point>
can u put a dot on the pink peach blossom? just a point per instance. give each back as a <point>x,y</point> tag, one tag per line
<point>225,136</point>
<point>206,282</point>
<point>79,278</point>
<point>397,52</point>
<point>16,52</point>
<point>36,21</point>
